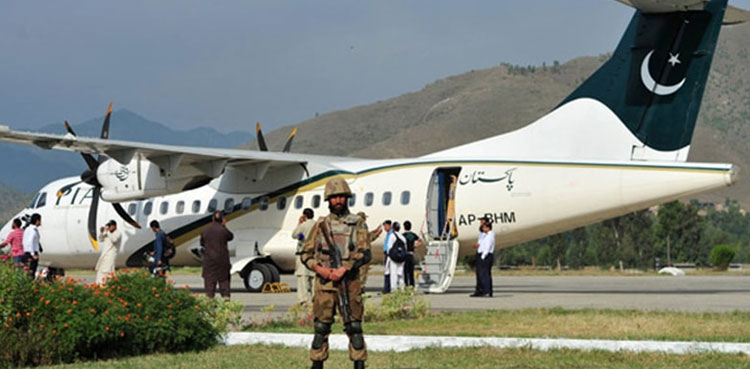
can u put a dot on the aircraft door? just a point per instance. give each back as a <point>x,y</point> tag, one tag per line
<point>441,203</point>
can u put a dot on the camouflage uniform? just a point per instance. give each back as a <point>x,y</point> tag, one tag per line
<point>349,233</point>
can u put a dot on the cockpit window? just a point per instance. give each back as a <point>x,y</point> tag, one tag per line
<point>33,201</point>
<point>42,200</point>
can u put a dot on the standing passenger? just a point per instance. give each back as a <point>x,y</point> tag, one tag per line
<point>15,240</point>
<point>161,264</point>
<point>216,266</point>
<point>388,234</point>
<point>109,243</point>
<point>412,242</point>
<point>31,245</point>
<point>396,268</point>
<point>305,277</point>
<point>478,284</point>
<point>485,259</point>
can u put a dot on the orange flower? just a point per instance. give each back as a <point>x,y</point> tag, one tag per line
<point>41,326</point>
<point>106,329</point>
<point>122,334</point>
<point>75,302</point>
<point>70,311</point>
<point>65,325</point>
<point>139,305</point>
<point>47,302</point>
<point>156,295</point>
<point>18,315</point>
<point>54,331</point>
<point>28,314</point>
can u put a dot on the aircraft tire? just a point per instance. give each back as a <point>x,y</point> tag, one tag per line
<point>275,276</point>
<point>258,275</point>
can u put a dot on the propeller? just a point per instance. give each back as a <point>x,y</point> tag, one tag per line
<point>287,146</point>
<point>89,177</point>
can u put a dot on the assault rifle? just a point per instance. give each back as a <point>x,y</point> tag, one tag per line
<point>335,261</point>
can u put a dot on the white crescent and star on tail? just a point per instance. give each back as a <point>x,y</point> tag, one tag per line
<point>649,81</point>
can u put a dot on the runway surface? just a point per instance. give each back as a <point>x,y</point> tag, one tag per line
<point>689,293</point>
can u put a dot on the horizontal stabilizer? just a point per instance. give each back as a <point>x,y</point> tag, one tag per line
<point>733,14</point>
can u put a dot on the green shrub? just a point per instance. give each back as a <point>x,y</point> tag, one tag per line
<point>64,321</point>
<point>399,304</point>
<point>722,255</point>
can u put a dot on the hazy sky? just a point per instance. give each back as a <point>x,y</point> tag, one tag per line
<point>228,64</point>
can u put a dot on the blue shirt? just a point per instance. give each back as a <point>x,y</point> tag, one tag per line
<point>385,244</point>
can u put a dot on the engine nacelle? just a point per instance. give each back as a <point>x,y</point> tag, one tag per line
<point>141,179</point>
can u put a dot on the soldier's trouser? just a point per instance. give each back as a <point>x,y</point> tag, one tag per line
<point>325,305</point>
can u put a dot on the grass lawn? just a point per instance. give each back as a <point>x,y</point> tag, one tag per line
<point>557,322</point>
<point>262,357</point>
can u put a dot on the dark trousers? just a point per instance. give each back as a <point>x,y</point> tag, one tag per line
<point>409,270</point>
<point>210,286</point>
<point>484,274</point>
<point>31,264</point>
<point>387,280</point>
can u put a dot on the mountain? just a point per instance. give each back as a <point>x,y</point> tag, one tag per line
<point>483,103</point>
<point>33,167</point>
<point>11,201</point>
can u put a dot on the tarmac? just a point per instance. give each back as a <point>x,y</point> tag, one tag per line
<point>688,293</point>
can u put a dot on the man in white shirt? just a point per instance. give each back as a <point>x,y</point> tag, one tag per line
<point>109,243</point>
<point>485,259</point>
<point>31,246</point>
<point>305,277</point>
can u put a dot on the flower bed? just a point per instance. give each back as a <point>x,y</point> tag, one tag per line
<point>44,322</point>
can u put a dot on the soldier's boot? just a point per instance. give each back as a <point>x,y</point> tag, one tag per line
<point>318,365</point>
<point>359,364</point>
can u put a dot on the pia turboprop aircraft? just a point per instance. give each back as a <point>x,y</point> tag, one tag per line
<point>617,144</point>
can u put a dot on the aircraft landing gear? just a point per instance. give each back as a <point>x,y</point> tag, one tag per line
<point>258,274</point>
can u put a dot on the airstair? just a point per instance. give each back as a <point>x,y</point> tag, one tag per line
<point>438,266</point>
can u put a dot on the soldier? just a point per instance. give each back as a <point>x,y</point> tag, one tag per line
<point>340,236</point>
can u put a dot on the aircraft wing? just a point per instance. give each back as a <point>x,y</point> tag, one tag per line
<point>167,157</point>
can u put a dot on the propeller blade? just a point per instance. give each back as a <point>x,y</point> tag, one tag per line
<point>261,141</point>
<point>105,126</point>
<point>288,145</point>
<point>90,161</point>
<point>125,216</point>
<point>65,189</point>
<point>69,129</point>
<point>93,209</point>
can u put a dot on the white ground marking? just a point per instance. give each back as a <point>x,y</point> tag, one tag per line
<point>406,343</point>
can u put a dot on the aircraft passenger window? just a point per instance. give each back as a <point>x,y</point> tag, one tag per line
<point>387,198</point>
<point>196,206</point>
<point>352,200</point>
<point>33,201</point>
<point>281,203</point>
<point>132,208</point>
<point>405,197</point>
<point>212,205</point>
<point>147,208</point>
<point>163,207</point>
<point>316,201</point>
<point>369,198</point>
<point>229,205</point>
<point>42,200</point>
<point>246,203</point>
<point>263,203</point>
<point>298,202</point>
<point>180,208</point>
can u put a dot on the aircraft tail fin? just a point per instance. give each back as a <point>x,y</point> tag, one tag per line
<point>642,104</point>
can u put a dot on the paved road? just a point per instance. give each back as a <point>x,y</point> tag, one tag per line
<point>691,293</point>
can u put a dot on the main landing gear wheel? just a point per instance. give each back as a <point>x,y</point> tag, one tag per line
<point>258,275</point>
<point>275,276</point>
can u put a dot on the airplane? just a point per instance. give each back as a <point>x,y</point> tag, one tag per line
<point>618,143</point>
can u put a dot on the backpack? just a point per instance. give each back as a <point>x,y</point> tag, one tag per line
<point>169,248</point>
<point>397,252</point>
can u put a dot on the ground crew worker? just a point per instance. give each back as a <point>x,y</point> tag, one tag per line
<point>348,232</point>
